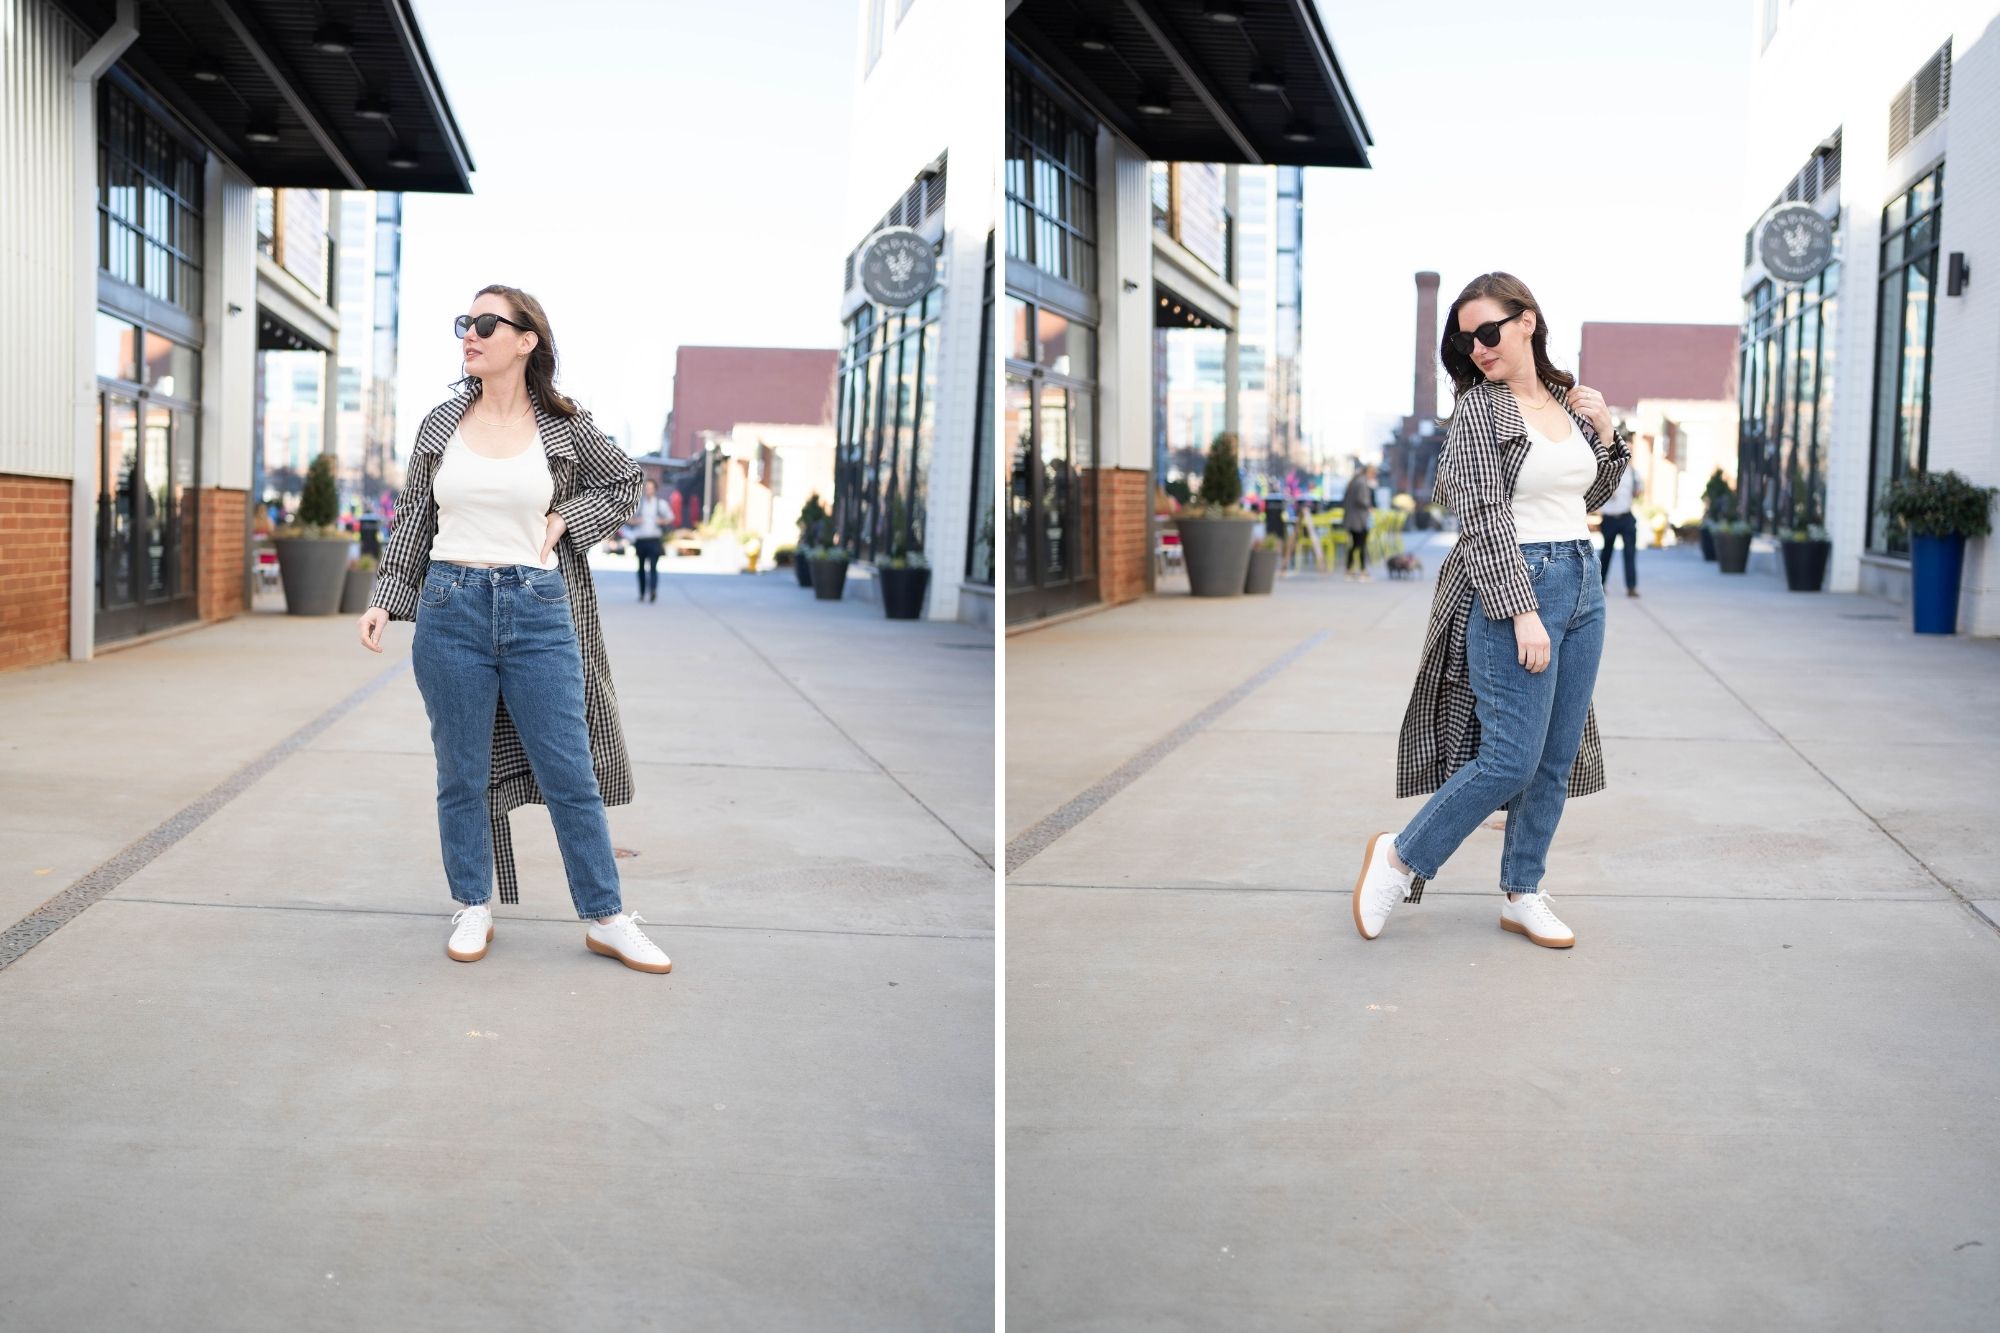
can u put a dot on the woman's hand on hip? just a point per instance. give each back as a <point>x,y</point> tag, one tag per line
<point>557,525</point>
<point>1531,642</point>
<point>372,621</point>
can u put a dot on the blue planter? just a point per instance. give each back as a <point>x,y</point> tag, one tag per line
<point>1935,566</point>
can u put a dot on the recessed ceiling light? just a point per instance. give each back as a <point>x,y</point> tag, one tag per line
<point>1093,38</point>
<point>261,131</point>
<point>1222,11</point>
<point>1299,131</point>
<point>402,158</point>
<point>1264,79</point>
<point>372,108</point>
<point>1155,103</point>
<point>332,39</point>
<point>205,70</point>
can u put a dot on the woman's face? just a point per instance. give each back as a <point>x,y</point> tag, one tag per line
<point>1515,355</point>
<point>652,489</point>
<point>507,349</point>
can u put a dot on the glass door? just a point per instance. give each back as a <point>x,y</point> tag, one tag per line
<point>1051,510</point>
<point>146,495</point>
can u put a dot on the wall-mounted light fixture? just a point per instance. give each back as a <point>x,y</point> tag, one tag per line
<point>1957,274</point>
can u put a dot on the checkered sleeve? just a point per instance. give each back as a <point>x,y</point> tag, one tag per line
<point>608,482</point>
<point>1469,470</point>
<point>1611,464</point>
<point>406,556</point>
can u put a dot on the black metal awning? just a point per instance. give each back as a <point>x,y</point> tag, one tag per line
<point>1248,81</point>
<point>268,83</point>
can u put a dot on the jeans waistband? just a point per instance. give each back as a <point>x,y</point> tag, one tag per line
<point>1575,546</point>
<point>498,574</point>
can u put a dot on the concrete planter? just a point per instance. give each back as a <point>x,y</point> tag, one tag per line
<point>354,596</point>
<point>1263,571</point>
<point>1217,553</point>
<point>314,571</point>
<point>1732,551</point>
<point>903,592</point>
<point>1937,566</point>
<point>829,579</point>
<point>1805,564</point>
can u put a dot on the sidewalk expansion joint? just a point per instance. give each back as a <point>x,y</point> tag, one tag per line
<point>827,717</point>
<point>749,929</point>
<point>1964,902</point>
<point>70,902</point>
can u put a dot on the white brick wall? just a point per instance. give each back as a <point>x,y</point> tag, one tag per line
<point>1835,64</point>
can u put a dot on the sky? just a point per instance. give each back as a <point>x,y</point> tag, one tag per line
<point>655,172</point>
<point>1593,150</point>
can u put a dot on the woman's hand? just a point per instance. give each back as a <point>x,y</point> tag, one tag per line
<point>1531,642</point>
<point>1590,403</point>
<point>557,525</point>
<point>372,621</point>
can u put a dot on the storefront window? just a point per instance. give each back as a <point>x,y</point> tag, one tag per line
<point>1899,442</point>
<point>149,202</point>
<point>888,379</point>
<point>1051,179</point>
<point>1786,385</point>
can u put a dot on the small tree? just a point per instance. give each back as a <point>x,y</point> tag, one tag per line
<point>319,503</point>
<point>1221,481</point>
<point>812,521</point>
<point>1716,496</point>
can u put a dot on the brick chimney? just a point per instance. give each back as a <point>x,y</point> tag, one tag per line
<point>1424,407</point>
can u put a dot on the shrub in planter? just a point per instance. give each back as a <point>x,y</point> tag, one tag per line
<point>783,556</point>
<point>1216,531</point>
<point>1805,549</point>
<point>813,521</point>
<point>904,579</point>
<point>1263,570</point>
<point>829,573</point>
<point>1718,501</point>
<point>1732,545</point>
<point>1938,510</point>
<point>312,550</point>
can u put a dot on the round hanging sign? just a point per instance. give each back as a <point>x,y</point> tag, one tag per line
<point>1795,242</point>
<point>897,266</point>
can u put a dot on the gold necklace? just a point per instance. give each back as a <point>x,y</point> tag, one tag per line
<point>489,421</point>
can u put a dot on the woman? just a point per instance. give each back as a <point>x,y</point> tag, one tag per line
<point>648,530</point>
<point>509,487</point>
<point>1355,508</point>
<point>1501,713</point>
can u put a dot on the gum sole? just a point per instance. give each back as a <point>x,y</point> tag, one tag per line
<point>1518,929</point>
<point>610,952</point>
<point>471,957</point>
<point>1367,859</point>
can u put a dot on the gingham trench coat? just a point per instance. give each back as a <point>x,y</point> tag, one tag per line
<point>596,488</point>
<point>1477,469</point>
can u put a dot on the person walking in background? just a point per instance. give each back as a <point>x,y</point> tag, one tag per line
<point>1354,515</point>
<point>648,532</point>
<point>1617,521</point>
<point>509,487</point>
<point>1500,716</point>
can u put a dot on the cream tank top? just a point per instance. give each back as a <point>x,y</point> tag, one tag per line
<point>1548,495</point>
<point>492,510</point>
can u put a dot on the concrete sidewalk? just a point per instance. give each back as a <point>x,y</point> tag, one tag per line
<point>246,1089</point>
<point>1760,1092</point>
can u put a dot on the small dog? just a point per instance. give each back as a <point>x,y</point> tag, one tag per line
<point>1405,566</point>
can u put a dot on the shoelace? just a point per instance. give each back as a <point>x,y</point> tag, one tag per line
<point>629,930</point>
<point>462,913</point>
<point>1538,905</point>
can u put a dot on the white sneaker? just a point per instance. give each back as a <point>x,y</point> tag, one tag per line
<point>1532,916</point>
<point>474,931</point>
<point>1378,889</point>
<point>623,940</point>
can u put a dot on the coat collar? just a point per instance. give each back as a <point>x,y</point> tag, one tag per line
<point>558,432</point>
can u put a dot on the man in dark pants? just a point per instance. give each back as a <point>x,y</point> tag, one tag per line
<point>1619,521</point>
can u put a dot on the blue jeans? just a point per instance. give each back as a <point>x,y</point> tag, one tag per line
<point>1614,526</point>
<point>1530,724</point>
<point>485,634</point>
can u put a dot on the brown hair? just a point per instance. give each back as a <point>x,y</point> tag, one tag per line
<point>1514,297</point>
<point>541,372</point>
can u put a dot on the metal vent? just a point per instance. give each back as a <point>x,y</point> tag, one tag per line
<point>934,189</point>
<point>1919,103</point>
<point>912,207</point>
<point>1829,167</point>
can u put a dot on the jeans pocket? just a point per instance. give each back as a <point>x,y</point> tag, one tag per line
<point>1536,565</point>
<point>549,587</point>
<point>436,590</point>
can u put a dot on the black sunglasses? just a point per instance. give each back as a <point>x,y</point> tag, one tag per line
<point>1461,341</point>
<point>485,324</point>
